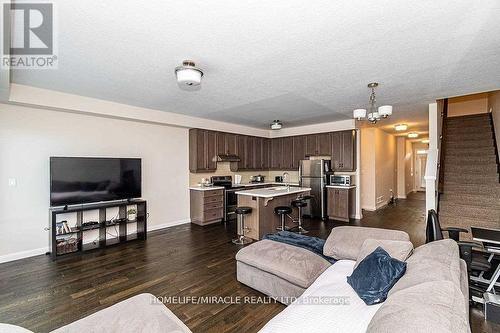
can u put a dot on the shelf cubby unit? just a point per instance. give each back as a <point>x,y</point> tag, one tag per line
<point>109,229</point>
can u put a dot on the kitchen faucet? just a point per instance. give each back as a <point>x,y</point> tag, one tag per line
<point>286,180</point>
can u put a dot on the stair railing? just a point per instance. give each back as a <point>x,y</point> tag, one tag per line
<point>442,147</point>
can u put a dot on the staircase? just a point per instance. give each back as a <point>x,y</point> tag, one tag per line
<point>471,188</point>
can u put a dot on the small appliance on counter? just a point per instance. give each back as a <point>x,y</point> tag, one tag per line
<point>257,179</point>
<point>339,180</point>
<point>278,179</point>
<point>237,179</point>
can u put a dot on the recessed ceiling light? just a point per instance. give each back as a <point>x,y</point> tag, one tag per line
<point>425,141</point>
<point>188,76</point>
<point>276,125</point>
<point>401,127</point>
<point>413,135</point>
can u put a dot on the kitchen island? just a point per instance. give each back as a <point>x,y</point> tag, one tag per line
<point>262,220</point>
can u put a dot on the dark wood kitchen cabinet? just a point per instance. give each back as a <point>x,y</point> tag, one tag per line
<point>340,203</point>
<point>266,153</point>
<point>276,153</point>
<point>287,153</point>
<point>250,153</point>
<point>258,153</point>
<point>299,150</point>
<point>202,150</point>
<point>343,150</point>
<point>227,143</point>
<point>318,144</point>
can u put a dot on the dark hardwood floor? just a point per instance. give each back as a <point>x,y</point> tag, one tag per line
<point>187,260</point>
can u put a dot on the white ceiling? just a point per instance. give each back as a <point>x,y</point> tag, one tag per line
<point>301,62</point>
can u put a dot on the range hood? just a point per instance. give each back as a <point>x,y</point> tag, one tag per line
<point>227,158</point>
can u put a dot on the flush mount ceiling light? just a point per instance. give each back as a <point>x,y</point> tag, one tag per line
<point>425,141</point>
<point>276,125</point>
<point>401,127</point>
<point>413,135</point>
<point>374,113</point>
<point>188,76</point>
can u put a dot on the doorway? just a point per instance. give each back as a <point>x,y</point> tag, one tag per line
<point>420,165</point>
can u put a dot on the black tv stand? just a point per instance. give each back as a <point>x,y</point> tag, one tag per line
<point>108,229</point>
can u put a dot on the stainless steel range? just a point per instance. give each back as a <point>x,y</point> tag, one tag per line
<point>230,197</point>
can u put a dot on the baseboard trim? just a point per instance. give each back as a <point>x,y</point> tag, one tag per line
<point>35,252</point>
<point>168,225</point>
<point>23,254</point>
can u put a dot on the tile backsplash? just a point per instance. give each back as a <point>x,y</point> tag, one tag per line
<point>223,169</point>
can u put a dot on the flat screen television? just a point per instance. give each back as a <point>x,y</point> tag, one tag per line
<point>79,180</point>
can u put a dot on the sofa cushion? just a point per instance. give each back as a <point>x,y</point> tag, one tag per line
<point>399,250</point>
<point>436,306</point>
<point>141,313</point>
<point>345,242</point>
<point>294,264</point>
<point>435,261</point>
<point>375,276</point>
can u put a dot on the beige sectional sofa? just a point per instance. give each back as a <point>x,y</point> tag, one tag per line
<point>432,296</point>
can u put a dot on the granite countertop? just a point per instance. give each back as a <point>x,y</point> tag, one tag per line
<point>264,184</point>
<point>340,186</point>
<point>206,188</point>
<point>273,191</point>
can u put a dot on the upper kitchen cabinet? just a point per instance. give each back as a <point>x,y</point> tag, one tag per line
<point>202,150</point>
<point>250,153</point>
<point>276,153</point>
<point>287,161</point>
<point>343,150</point>
<point>242,151</point>
<point>318,144</point>
<point>299,150</point>
<point>227,143</point>
<point>266,153</point>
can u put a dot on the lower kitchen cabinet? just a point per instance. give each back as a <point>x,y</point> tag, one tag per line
<point>207,206</point>
<point>341,203</point>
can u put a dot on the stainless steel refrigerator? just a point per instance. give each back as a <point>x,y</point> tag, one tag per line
<point>312,174</point>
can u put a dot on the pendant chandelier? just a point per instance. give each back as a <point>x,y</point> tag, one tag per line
<point>373,114</point>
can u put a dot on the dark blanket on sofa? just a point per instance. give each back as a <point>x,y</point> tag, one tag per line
<point>313,244</point>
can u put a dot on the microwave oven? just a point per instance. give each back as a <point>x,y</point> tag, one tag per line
<point>340,180</point>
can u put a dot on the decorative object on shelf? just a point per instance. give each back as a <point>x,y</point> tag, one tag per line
<point>132,214</point>
<point>413,135</point>
<point>188,76</point>
<point>374,113</point>
<point>276,125</point>
<point>401,127</point>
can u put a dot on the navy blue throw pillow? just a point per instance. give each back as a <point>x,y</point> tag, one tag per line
<point>375,276</point>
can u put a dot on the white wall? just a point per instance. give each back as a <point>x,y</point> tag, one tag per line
<point>400,165</point>
<point>28,137</point>
<point>378,168</point>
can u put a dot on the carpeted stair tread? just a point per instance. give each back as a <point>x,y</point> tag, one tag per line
<point>481,200</point>
<point>468,130</point>
<point>472,168</point>
<point>470,151</point>
<point>491,214</point>
<point>464,159</point>
<point>481,189</point>
<point>469,179</point>
<point>469,136</point>
<point>463,144</point>
<point>464,222</point>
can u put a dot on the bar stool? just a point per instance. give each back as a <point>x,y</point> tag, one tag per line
<point>242,239</point>
<point>299,204</point>
<point>283,211</point>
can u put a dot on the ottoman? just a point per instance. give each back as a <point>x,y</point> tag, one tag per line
<point>278,270</point>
